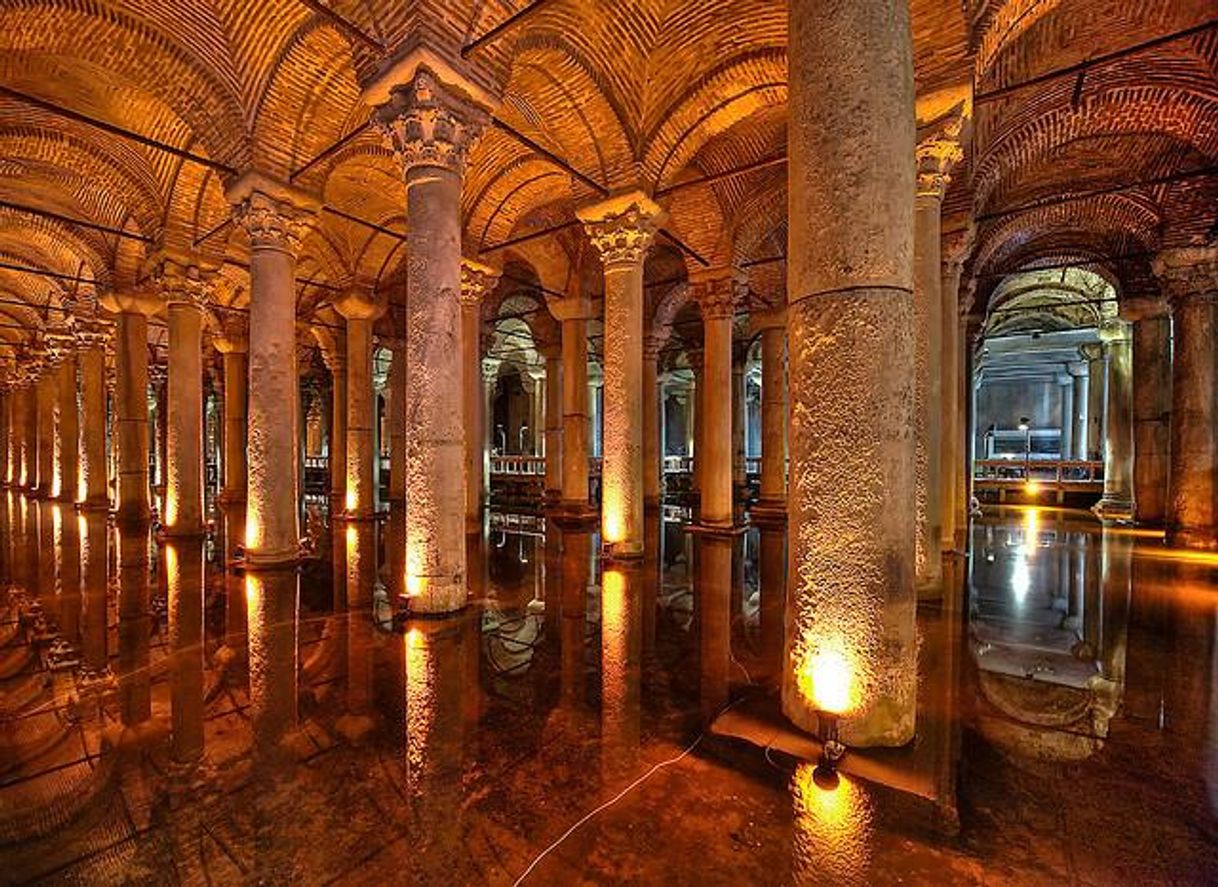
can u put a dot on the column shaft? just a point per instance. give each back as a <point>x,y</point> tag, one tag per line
<point>67,431</point>
<point>46,392</point>
<point>1192,520</point>
<point>1152,385</point>
<point>575,414</point>
<point>184,437</point>
<point>359,498</point>
<point>95,491</point>
<point>473,400</point>
<point>236,405</point>
<point>951,411</point>
<point>1066,432</point>
<point>1117,502</point>
<point>131,410</point>
<point>1082,399</point>
<point>338,432</point>
<point>715,401</point>
<point>651,424</point>
<point>622,423</point>
<point>397,425</point>
<point>554,414</point>
<point>773,417</point>
<point>928,325</point>
<point>1097,385</point>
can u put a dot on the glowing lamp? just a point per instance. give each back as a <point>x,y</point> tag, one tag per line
<point>1032,487</point>
<point>350,497</point>
<point>414,585</point>
<point>825,679</point>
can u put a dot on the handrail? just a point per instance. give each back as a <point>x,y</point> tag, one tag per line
<point>1056,472</point>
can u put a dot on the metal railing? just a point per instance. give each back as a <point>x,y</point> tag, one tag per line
<point>1063,474</point>
<point>518,466</point>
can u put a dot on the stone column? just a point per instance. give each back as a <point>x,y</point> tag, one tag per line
<point>1190,278</point>
<point>1151,406</point>
<point>131,405</point>
<point>694,449</point>
<point>596,422</point>
<point>477,282</point>
<point>1097,379</point>
<point>739,418</point>
<point>621,229</point>
<point>1082,394</point>
<point>537,409</point>
<point>1065,385</point>
<point>851,637</point>
<point>184,583</point>
<point>1117,503</point>
<point>45,394</point>
<point>233,346</point>
<point>397,424</point>
<point>359,308</point>
<point>336,362</point>
<point>27,434</point>
<point>954,250</point>
<point>185,292</point>
<point>652,487</point>
<point>276,218</point>
<point>553,432</point>
<point>773,494</point>
<point>935,158</point>
<point>431,125</point>
<point>486,421</point>
<point>68,430</point>
<point>573,313</point>
<point>91,339</point>
<point>715,292</point>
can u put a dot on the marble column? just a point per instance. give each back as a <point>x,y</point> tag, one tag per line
<point>360,309</point>
<point>27,434</point>
<point>694,449</point>
<point>739,418</point>
<point>1190,278</point>
<point>851,642</point>
<point>1065,385</point>
<point>1097,386</point>
<point>954,250</point>
<point>935,158</point>
<point>1151,406</point>
<point>336,362</point>
<point>185,292</point>
<point>94,492</point>
<point>184,584</point>
<point>652,487</point>
<point>1082,397</point>
<point>1117,503</point>
<point>573,312</point>
<point>773,493</point>
<point>621,229</point>
<point>397,424</point>
<point>715,292</point>
<point>537,410</point>
<point>431,124</point>
<point>45,392</point>
<point>276,217</point>
<point>233,346</point>
<point>67,434</point>
<point>131,406</point>
<point>553,430</point>
<point>477,282</point>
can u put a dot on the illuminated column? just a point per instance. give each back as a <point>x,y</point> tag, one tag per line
<point>953,252</point>
<point>1065,387</point>
<point>490,382</point>
<point>184,583</point>
<point>773,493</point>
<point>27,433</point>
<point>621,229</point>
<point>397,424</point>
<point>1079,370</point>
<point>91,336</point>
<point>68,430</point>
<point>1097,378</point>
<point>131,404</point>
<point>276,218</point>
<point>45,392</point>
<point>359,499</point>
<point>553,432</point>
<point>1117,503</point>
<point>573,312</point>
<point>935,158</point>
<point>477,282</point>
<point>537,413</point>
<point>233,346</point>
<point>1151,406</point>
<point>694,447</point>
<point>851,638</point>
<point>336,363</point>
<point>715,292</point>
<point>739,417</point>
<point>6,431</point>
<point>651,422</point>
<point>431,125</point>
<point>1190,279</point>
<point>185,293</point>
<point>596,422</point>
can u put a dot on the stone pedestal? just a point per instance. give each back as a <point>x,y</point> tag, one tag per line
<point>276,218</point>
<point>477,282</point>
<point>431,118</point>
<point>1190,278</point>
<point>715,292</point>
<point>773,493</point>
<point>234,350</point>
<point>1151,407</point>
<point>359,498</point>
<point>621,229</point>
<point>851,640</point>
<point>1117,503</point>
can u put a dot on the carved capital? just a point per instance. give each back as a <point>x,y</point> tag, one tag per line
<point>717,291</point>
<point>477,282</point>
<point>490,369</point>
<point>622,228</point>
<point>92,333</point>
<point>955,249</point>
<point>274,215</point>
<point>1188,274</point>
<point>429,124</point>
<point>1113,330</point>
<point>936,157</point>
<point>182,282</point>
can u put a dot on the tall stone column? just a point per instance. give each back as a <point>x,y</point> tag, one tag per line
<point>359,498</point>
<point>91,336</point>
<point>27,433</point>
<point>739,418</point>
<point>553,431</point>
<point>131,404</point>
<point>596,422</point>
<point>537,412</point>
<point>715,292</point>
<point>1117,503</point>
<point>622,229</point>
<point>935,158</point>
<point>1080,371</point>
<point>954,250</point>
<point>336,362</point>
<point>1065,385</point>
<point>1151,406</point>
<point>1097,400</point>
<point>68,429</point>
<point>431,124</point>
<point>276,218</point>
<point>652,487</point>
<point>6,432</point>
<point>490,385</point>
<point>477,282</point>
<point>397,424</point>
<point>184,583</point>
<point>233,346</point>
<point>1190,279</point>
<point>773,493</point>
<point>851,639</point>
<point>573,312</point>
<point>696,367</point>
<point>185,292</point>
<point>45,392</point>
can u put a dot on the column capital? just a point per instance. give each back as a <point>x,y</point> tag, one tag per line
<point>180,279</point>
<point>274,215</point>
<point>477,282</point>
<point>716,290</point>
<point>233,337</point>
<point>1077,368</point>
<point>490,369</point>
<point>134,301</point>
<point>1188,273</point>
<point>92,333</point>
<point>774,319</point>
<point>1114,329</point>
<point>622,227</point>
<point>571,308</point>
<point>359,302</point>
<point>936,157</point>
<point>955,248</point>
<point>1142,308</point>
<point>1091,351</point>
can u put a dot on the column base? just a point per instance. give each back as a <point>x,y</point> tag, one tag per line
<point>133,515</point>
<point>182,532</point>
<point>771,512</point>
<point>228,497</point>
<point>1113,509</point>
<point>577,512</point>
<point>264,559</point>
<point>723,531</point>
<point>1205,539</point>
<point>622,551</point>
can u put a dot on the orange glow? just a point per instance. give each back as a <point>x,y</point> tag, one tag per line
<point>171,510</point>
<point>253,529</point>
<point>1032,487</point>
<point>825,679</point>
<point>350,496</point>
<point>613,525</point>
<point>832,834</point>
<point>420,698</point>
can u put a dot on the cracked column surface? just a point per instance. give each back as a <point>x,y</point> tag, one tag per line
<point>621,228</point>
<point>477,282</point>
<point>1151,407</point>
<point>91,337</point>
<point>276,218</point>
<point>851,641</point>
<point>359,498</point>
<point>1117,502</point>
<point>431,123</point>
<point>1190,278</point>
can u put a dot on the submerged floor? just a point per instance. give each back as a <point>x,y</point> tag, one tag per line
<point>165,722</point>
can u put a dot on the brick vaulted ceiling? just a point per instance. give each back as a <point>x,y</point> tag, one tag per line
<point>630,93</point>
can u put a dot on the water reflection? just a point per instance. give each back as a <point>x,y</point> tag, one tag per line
<point>831,843</point>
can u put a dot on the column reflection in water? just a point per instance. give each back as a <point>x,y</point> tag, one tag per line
<point>831,840</point>
<point>713,586</point>
<point>772,562</point>
<point>94,558</point>
<point>231,657</point>
<point>576,547</point>
<point>184,582</point>
<point>621,653</point>
<point>134,625</point>
<point>360,575</point>
<point>271,598</point>
<point>67,568</point>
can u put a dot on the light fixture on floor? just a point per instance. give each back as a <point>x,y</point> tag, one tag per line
<point>832,751</point>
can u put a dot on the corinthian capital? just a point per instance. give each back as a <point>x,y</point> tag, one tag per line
<point>477,281</point>
<point>1188,273</point>
<point>181,281</point>
<point>716,290</point>
<point>274,215</point>
<point>622,228</point>
<point>429,123</point>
